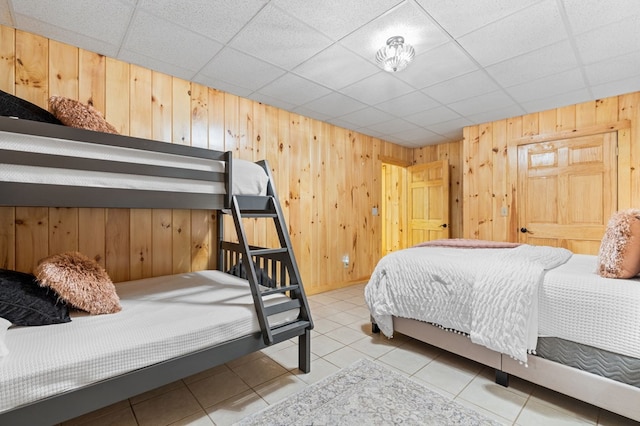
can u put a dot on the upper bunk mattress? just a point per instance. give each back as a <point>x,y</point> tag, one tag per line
<point>161,318</point>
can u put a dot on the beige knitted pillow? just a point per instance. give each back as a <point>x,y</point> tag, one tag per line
<point>76,114</point>
<point>80,281</point>
<point>619,255</point>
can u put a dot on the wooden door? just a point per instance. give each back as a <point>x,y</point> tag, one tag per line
<point>428,202</point>
<point>567,191</point>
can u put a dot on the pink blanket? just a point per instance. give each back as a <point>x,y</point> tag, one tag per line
<point>467,243</point>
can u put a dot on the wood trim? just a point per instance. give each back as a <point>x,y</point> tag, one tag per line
<point>572,133</point>
<point>394,161</point>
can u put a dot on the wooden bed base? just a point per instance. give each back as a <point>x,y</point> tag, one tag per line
<point>609,394</point>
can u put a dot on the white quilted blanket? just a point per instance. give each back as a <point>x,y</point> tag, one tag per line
<point>488,293</point>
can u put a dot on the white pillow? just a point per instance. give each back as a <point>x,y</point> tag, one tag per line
<point>4,325</point>
<point>248,178</point>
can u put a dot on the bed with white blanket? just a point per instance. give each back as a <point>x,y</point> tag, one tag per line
<point>499,302</point>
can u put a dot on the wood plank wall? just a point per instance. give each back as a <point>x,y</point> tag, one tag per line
<point>489,175</point>
<point>328,178</point>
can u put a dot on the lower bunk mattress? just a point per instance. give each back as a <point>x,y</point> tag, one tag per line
<point>161,318</point>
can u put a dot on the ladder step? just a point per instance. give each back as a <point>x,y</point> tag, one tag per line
<point>255,203</point>
<point>289,330</point>
<point>282,307</point>
<point>263,251</point>
<point>258,215</point>
<point>283,289</point>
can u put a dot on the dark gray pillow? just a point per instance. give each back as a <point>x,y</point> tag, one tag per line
<point>24,302</point>
<point>12,106</point>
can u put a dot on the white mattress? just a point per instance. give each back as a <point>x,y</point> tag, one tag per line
<point>248,177</point>
<point>577,304</point>
<point>161,318</point>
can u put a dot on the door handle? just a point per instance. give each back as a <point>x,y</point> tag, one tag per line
<point>525,231</point>
<point>444,225</point>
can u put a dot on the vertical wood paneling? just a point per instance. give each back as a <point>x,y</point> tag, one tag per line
<point>32,68</point>
<point>162,235</point>
<point>199,115</point>
<point>181,111</point>
<point>117,231</point>
<point>161,106</point>
<point>7,59</point>
<point>7,238</point>
<point>63,73</point>
<point>181,225</point>
<point>140,260</point>
<point>63,230</point>
<point>574,117</point>
<point>32,232</point>
<point>92,74</point>
<point>140,105</point>
<point>91,234</point>
<point>117,103</point>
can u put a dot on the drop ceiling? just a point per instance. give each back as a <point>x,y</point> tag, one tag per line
<point>476,60</point>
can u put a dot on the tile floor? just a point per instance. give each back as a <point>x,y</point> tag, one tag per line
<point>342,335</point>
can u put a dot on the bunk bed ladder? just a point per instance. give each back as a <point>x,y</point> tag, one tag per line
<point>289,282</point>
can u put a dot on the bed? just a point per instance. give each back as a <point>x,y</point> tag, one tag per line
<point>170,326</point>
<point>538,313</point>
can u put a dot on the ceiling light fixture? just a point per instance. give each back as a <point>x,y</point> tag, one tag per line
<point>396,55</point>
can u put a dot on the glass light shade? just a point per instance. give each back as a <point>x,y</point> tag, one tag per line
<point>396,55</point>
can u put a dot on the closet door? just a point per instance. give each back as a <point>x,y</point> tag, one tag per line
<point>567,190</point>
<point>428,201</point>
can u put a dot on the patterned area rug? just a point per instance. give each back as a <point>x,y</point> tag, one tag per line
<point>366,393</point>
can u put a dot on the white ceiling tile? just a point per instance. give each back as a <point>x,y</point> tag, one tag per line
<point>293,89</point>
<point>365,117</point>
<point>606,42</point>
<point>614,88</point>
<point>219,20</point>
<point>310,113</point>
<point>240,69</point>
<point>533,65</point>
<point>65,36</point>
<point>499,114</point>
<point>408,104</point>
<point>155,64</point>
<point>222,85</point>
<point>459,17</point>
<point>416,135</point>
<point>432,116</point>
<point>166,42</point>
<point>269,100</point>
<point>377,88</point>
<point>557,101</point>
<point>614,69</point>
<point>465,86</point>
<point>336,67</point>
<point>529,29</point>
<point>451,129</point>
<point>334,105</point>
<point>335,18</point>
<point>276,37</point>
<point>395,125</point>
<point>487,102</point>
<point>586,15</point>
<point>437,65</point>
<point>107,21</point>
<point>407,20</point>
<point>5,14</point>
<point>549,86</point>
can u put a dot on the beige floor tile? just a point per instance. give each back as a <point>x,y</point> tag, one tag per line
<point>288,357</point>
<point>345,356</point>
<point>214,389</point>
<point>452,375</point>
<point>279,388</point>
<point>320,368</point>
<point>322,345</point>
<point>157,391</point>
<point>207,373</point>
<point>405,358</point>
<point>324,325</point>
<point>198,419</point>
<point>536,413</point>
<point>493,397</point>
<point>489,414</point>
<point>345,318</point>
<point>259,371</point>
<point>374,346</point>
<point>344,335</point>
<point>233,409</point>
<point>565,404</point>
<point>166,408</point>
<point>244,359</point>
<point>116,414</point>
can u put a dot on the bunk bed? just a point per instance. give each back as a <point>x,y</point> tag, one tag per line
<point>254,299</point>
<point>552,320</point>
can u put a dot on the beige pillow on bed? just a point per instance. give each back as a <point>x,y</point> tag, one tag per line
<point>619,255</point>
<point>76,114</point>
<point>80,281</point>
